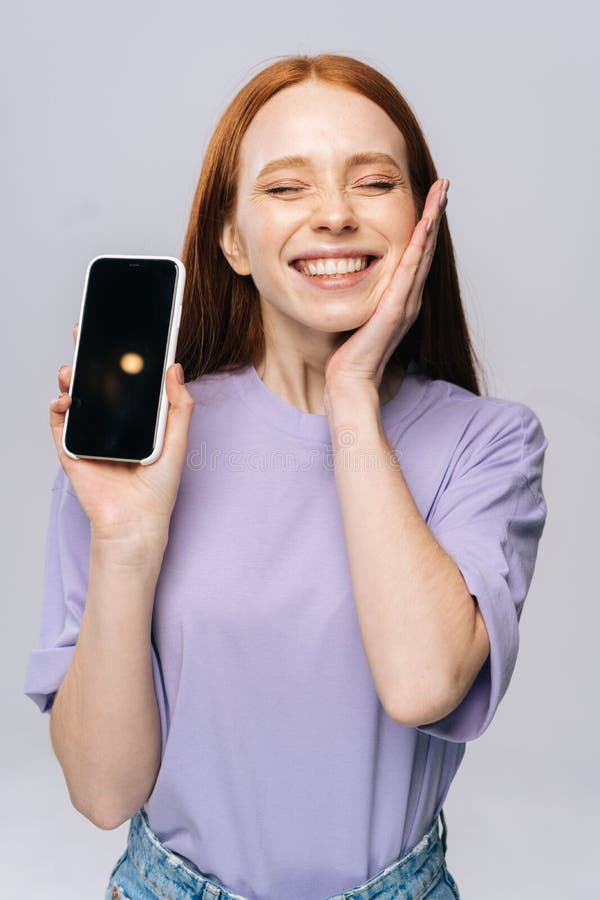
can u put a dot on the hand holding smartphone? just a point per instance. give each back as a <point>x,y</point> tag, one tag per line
<point>120,498</point>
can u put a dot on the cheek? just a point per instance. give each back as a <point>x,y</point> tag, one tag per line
<point>404,219</point>
<point>264,254</point>
<point>394,218</point>
<point>269,241</point>
<point>403,232</point>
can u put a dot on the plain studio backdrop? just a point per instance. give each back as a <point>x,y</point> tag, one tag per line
<point>107,109</point>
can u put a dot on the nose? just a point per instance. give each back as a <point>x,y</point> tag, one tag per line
<point>333,212</point>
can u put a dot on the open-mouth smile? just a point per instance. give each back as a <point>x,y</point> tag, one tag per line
<point>335,273</point>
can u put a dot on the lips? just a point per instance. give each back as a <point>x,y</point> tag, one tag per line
<point>335,272</point>
<point>323,265</point>
<point>326,264</point>
<point>335,254</point>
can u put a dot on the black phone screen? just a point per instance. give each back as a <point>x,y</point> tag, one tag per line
<point>121,356</point>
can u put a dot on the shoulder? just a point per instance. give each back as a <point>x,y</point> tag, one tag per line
<point>487,416</point>
<point>503,431</point>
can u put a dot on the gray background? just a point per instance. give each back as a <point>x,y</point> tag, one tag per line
<point>107,109</point>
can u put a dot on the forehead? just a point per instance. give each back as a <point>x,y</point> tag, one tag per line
<point>321,121</point>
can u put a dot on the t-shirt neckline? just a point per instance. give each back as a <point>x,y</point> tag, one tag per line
<point>285,417</point>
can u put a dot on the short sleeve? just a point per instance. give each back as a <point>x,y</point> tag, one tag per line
<point>66,570</point>
<point>63,594</point>
<point>490,519</point>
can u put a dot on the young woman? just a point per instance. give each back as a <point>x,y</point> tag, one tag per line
<point>272,644</point>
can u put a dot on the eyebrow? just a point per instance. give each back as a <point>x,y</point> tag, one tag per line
<point>356,159</point>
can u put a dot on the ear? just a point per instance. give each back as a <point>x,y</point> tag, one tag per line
<point>233,249</point>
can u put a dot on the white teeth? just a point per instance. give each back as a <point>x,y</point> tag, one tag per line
<point>332,266</point>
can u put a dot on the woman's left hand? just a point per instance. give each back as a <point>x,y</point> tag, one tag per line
<point>361,360</point>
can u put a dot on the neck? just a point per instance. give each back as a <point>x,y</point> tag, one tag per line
<point>304,386</point>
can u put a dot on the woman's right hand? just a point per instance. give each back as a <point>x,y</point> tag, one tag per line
<point>123,499</point>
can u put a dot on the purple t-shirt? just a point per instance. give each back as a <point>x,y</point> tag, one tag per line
<point>282,777</point>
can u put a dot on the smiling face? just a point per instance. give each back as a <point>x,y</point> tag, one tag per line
<point>323,188</point>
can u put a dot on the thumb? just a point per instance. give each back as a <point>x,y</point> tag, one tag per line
<point>181,407</point>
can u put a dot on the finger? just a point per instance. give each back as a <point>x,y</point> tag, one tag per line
<point>436,203</point>
<point>416,259</point>
<point>58,409</point>
<point>181,407</point>
<point>64,378</point>
<point>75,330</point>
<point>435,207</point>
<point>443,202</point>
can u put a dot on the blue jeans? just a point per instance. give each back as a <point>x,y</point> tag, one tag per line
<point>148,870</point>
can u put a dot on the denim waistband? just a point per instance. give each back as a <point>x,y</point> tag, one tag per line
<point>166,873</point>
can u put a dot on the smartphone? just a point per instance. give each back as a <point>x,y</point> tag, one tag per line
<point>126,340</point>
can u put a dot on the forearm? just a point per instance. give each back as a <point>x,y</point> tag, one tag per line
<point>416,616</point>
<point>105,725</point>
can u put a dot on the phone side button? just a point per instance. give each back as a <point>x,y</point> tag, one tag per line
<point>179,317</point>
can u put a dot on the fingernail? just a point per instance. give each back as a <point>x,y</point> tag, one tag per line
<point>429,225</point>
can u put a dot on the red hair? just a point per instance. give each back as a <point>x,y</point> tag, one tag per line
<point>221,322</point>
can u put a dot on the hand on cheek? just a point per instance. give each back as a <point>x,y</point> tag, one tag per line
<point>363,356</point>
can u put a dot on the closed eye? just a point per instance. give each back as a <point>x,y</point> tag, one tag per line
<point>380,184</point>
<point>281,189</point>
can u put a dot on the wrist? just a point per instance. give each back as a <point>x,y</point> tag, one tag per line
<point>129,544</point>
<point>353,413</point>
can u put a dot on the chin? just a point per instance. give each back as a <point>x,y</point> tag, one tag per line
<point>341,324</point>
<point>346,320</point>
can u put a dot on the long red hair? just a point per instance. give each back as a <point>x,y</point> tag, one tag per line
<point>221,323</point>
